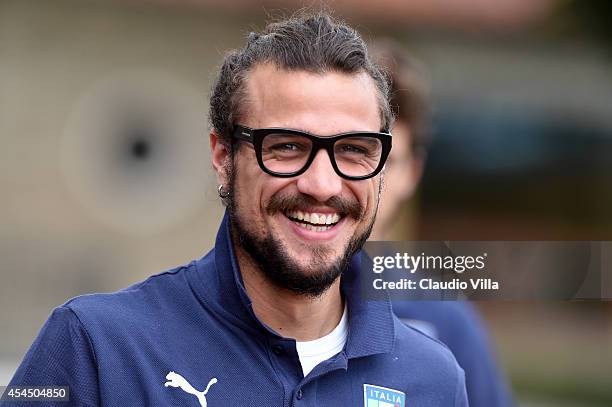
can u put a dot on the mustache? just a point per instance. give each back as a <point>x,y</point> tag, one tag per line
<point>345,207</point>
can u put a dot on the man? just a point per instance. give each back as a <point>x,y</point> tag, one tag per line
<point>456,323</point>
<point>271,316</point>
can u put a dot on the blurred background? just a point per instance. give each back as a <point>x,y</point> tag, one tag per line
<point>105,176</point>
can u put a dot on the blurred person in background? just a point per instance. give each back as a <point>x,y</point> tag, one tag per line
<point>456,323</point>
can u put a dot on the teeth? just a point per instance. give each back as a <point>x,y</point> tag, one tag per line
<point>314,228</point>
<point>319,219</point>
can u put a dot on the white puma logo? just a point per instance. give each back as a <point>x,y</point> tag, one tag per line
<point>176,380</point>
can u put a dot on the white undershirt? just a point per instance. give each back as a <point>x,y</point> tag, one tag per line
<point>312,353</point>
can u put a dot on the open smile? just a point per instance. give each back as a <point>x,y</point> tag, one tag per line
<point>316,222</point>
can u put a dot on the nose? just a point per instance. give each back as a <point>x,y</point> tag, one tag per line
<point>320,180</point>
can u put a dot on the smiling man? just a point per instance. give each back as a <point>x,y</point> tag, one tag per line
<point>272,315</point>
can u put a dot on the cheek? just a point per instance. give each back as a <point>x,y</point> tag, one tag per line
<point>246,184</point>
<point>254,188</point>
<point>271,186</point>
<point>366,193</point>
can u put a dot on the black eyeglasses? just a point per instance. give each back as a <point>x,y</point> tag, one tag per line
<point>288,153</point>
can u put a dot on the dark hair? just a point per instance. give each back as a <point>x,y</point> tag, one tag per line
<point>409,91</point>
<point>315,43</point>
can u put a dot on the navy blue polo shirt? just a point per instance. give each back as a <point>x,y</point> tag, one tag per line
<point>189,337</point>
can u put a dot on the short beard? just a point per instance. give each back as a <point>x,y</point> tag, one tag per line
<point>271,256</point>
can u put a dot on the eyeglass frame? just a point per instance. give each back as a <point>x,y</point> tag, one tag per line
<point>256,137</point>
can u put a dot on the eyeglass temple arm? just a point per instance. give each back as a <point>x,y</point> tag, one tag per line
<point>242,133</point>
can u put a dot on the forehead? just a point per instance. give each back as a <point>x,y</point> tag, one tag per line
<point>324,104</point>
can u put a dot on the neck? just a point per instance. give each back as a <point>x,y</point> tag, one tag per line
<point>289,314</point>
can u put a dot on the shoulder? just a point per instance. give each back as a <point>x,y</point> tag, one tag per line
<point>62,355</point>
<point>444,311</point>
<point>432,361</point>
<point>431,351</point>
<point>135,305</point>
<point>454,321</point>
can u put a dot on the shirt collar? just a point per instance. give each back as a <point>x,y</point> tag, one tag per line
<point>371,327</point>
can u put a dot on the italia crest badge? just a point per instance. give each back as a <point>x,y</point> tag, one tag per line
<point>376,396</point>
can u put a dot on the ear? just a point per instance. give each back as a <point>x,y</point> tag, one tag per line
<point>220,156</point>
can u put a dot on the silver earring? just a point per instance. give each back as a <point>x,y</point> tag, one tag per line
<point>222,194</point>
